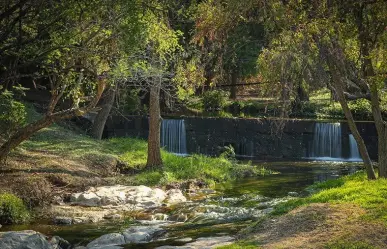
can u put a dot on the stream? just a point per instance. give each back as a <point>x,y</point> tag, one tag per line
<point>231,207</point>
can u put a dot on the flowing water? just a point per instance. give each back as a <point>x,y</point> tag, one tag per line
<point>173,136</point>
<point>233,206</point>
<point>328,144</point>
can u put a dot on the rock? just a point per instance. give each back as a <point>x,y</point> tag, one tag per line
<point>140,197</point>
<point>203,243</point>
<point>113,217</point>
<point>24,240</point>
<point>86,199</point>
<point>141,234</point>
<point>184,240</point>
<point>293,194</point>
<point>175,196</point>
<point>63,220</point>
<point>59,243</point>
<point>160,216</point>
<point>135,234</point>
<point>111,239</point>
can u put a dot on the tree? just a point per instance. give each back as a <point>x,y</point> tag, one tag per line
<point>340,33</point>
<point>231,37</point>
<point>73,55</point>
<point>151,70</point>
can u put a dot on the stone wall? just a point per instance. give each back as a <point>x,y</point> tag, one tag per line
<point>249,137</point>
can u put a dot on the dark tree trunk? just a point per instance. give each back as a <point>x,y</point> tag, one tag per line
<point>234,82</point>
<point>154,152</point>
<point>100,120</point>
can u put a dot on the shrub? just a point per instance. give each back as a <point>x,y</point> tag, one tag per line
<point>12,114</point>
<point>35,191</point>
<point>214,100</point>
<point>361,109</point>
<point>12,209</point>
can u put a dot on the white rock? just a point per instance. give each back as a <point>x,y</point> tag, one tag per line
<point>175,196</point>
<point>86,199</point>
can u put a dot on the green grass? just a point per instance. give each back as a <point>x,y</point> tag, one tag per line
<point>355,189</point>
<point>62,142</point>
<point>241,245</point>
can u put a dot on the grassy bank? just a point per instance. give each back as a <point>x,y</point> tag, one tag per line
<point>355,189</point>
<point>132,154</point>
<point>346,213</point>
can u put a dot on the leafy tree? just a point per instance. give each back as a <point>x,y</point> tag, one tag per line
<point>73,46</point>
<point>333,35</point>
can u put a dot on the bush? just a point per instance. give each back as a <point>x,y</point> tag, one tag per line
<point>361,109</point>
<point>214,100</point>
<point>12,114</point>
<point>12,209</point>
<point>35,191</point>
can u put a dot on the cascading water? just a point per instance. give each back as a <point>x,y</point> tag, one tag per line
<point>173,136</point>
<point>353,149</point>
<point>327,143</point>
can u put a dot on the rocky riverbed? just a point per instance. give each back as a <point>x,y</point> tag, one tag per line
<point>143,217</point>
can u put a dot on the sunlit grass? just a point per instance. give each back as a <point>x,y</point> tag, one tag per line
<point>355,189</point>
<point>60,141</point>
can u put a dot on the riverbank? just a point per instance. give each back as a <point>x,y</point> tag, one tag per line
<point>61,160</point>
<point>349,212</point>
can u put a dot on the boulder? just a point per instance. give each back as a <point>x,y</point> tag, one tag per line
<point>24,240</point>
<point>111,239</point>
<point>86,199</point>
<point>141,234</point>
<point>59,243</point>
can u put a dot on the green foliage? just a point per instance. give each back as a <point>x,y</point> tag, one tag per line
<point>12,114</point>
<point>355,189</point>
<point>361,109</point>
<point>12,209</point>
<point>214,100</point>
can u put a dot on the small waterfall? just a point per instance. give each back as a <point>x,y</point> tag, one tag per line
<point>326,141</point>
<point>246,148</point>
<point>173,136</point>
<point>353,149</point>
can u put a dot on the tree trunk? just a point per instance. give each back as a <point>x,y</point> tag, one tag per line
<point>359,140</point>
<point>22,135</point>
<point>100,120</point>
<point>234,81</point>
<point>154,153</point>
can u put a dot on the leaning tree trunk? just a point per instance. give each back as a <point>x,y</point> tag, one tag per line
<point>355,132</point>
<point>154,152</point>
<point>22,135</point>
<point>100,120</point>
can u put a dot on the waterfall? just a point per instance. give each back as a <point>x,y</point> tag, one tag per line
<point>326,141</point>
<point>353,149</point>
<point>173,136</point>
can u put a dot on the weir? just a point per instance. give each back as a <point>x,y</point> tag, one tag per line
<point>173,136</point>
<point>328,144</point>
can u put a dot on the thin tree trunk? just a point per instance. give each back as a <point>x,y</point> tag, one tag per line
<point>100,120</point>
<point>27,131</point>
<point>154,153</point>
<point>234,81</point>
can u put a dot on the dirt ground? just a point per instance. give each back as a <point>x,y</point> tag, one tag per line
<point>318,225</point>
